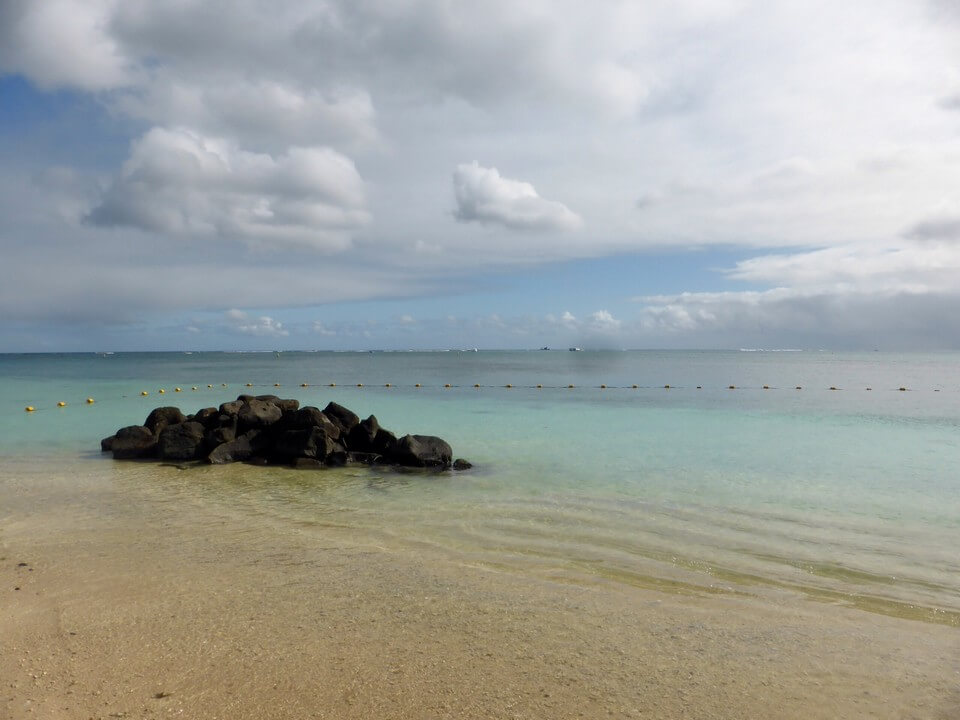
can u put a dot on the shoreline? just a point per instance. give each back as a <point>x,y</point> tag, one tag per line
<point>129,605</point>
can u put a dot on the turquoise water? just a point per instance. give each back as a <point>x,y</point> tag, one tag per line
<point>845,496</point>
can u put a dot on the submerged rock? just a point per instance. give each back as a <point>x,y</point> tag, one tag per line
<point>133,442</point>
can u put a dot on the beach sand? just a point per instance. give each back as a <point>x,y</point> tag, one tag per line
<point>117,605</point>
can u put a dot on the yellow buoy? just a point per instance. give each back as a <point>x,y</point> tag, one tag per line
<point>144,393</point>
<point>903,389</point>
<point>387,385</point>
<point>333,384</point>
<point>304,385</point>
<point>603,387</point>
<point>539,386</point>
<point>161,391</point>
<point>508,385</point>
<point>209,386</point>
<point>249,384</point>
<point>178,389</point>
<point>570,386</point>
<point>832,387</point>
<point>635,387</point>
<point>29,408</point>
<point>447,385</point>
<point>799,387</point>
<point>359,384</point>
<point>194,387</point>
<point>417,385</point>
<point>223,384</point>
<point>732,387</point>
<point>90,401</point>
<point>766,387</point>
<point>61,404</point>
<point>276,384</point>
<point>666,387</point>
<point>476,385</point>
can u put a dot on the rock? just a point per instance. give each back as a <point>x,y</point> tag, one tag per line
<point>160,417</point>
<point>134,441</point>
<point>306,464</point>
<point>106,445</point>
<point>183,441</point>
<point>234,451</point>
<point>422,451</point>
<point>308,417</point>
<point>361,437</point>
<point>461,464</point>
<point>220,435</point>
<point>311,443</point>
<point>287,405</point>
<point>336,459</point>
<point>231,408</point>
<point>385,442</point>
<point>263,398</point>
<point>208,417</point>
<point>340,415</point>
<point>257,414</point>
<point>366,458</point>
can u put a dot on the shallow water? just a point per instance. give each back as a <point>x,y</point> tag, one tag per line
<point>845,496</point>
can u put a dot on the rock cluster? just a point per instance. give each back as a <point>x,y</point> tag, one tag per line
<point>267,429</point>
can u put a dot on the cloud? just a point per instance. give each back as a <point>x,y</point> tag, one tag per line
<point>484,196</point>
<point>260,112</point>
<point>63,43</point>
<point>263,326</point>
<point>178,182</point>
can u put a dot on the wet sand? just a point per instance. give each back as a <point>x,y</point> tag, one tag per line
<point>114,605</point>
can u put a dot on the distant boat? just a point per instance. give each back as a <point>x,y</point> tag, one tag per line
<point>576,349</point>
<point>544,348</point>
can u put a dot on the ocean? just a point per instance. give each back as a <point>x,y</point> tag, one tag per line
<point>829,478</point>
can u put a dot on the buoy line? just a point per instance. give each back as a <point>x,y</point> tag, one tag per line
<point>90,400</point>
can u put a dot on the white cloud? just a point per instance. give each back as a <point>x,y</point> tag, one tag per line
<point>62,43</point>
<point>484,196</point>
<point>178,182</point>
<point>603,322</point>
<point>263,326</point>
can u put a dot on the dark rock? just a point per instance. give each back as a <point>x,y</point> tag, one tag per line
<point>308,417</point>
<point>361,436</point>
<point>336,459</point>
<point>234,451</point>
<point>160,417</point>
<point>257,414</point>
<point>422,451</point>
<point>106,445</point>
<point>302,463</point>
<point>220,435</point>
<point>134,441</point>
<point>231,408</point>
<point>183,441</point>
<point>247,398</point>
<point>461,464</point>
<point>257,460</point>
<point>385,442</point>
<point>311,442</point>
<point>287,405</point>
<point>264,398</point>
<point>340,415</point>
<point>366,458</point>
<point>208,417</point>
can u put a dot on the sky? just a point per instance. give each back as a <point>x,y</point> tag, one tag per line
<point>364,174</point>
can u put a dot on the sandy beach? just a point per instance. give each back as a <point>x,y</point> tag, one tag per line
<point>118,605</point>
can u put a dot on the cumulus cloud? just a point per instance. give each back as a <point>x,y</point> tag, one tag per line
<point>63,43</point>
<point>178,182</point>
<point>263,326</point>
<point>484,196</point>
